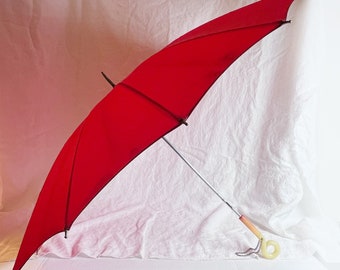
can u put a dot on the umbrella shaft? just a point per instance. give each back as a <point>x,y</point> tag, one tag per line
<point>186,161</point>
<point>201,177</point>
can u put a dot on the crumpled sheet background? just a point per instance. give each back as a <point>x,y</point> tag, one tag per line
<point>252,136</point>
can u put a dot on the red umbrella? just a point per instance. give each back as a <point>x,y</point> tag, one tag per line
<point>154,99</point>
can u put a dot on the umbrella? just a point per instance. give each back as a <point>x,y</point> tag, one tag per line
<point>157,97</point>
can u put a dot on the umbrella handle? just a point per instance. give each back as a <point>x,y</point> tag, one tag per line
<point>274,249</point>
<point>264,245</point>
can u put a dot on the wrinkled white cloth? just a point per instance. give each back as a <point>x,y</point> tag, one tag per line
<point>252,136</point>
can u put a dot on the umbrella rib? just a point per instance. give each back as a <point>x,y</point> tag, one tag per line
<point>176,42</point>
<point>178,119</point>
<point>67,227</point>
<point>157,104</point>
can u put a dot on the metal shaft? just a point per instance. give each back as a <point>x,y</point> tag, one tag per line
<point>187,162</point>
<point>201,177</point>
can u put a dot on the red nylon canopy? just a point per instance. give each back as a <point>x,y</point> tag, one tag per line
<point>154,99</point>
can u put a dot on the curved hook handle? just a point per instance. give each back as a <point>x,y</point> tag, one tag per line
<point>270,249</point>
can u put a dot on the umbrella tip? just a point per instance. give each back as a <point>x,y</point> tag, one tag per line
<point>286,21</point>
<point>108,79</point>
<point>183,121</point>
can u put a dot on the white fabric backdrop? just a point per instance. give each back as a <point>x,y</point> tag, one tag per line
<point>253,135</point>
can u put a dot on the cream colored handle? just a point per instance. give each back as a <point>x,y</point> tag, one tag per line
<point>269,249</point>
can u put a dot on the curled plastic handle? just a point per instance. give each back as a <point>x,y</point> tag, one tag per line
<point>269,249</point>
